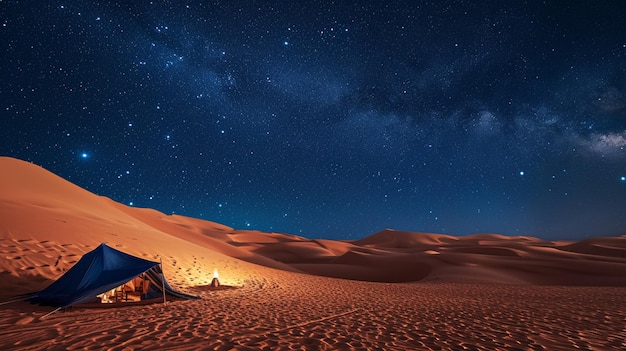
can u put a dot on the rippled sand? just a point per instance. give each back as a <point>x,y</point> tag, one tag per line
<point>296,312</point>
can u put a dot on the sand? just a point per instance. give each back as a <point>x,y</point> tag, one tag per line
<point>392,290</point>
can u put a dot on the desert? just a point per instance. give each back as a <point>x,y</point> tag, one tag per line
<point>392,290</point>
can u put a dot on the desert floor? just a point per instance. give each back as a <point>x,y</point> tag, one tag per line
<point>288,311</point>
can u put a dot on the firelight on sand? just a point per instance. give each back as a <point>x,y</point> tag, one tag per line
<point>215,274</point>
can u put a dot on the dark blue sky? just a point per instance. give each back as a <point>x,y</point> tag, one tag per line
<point>329,119</point>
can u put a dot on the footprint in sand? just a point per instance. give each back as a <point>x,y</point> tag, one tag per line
<point>25,320</point>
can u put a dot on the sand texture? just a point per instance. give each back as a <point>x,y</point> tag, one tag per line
<point>389,291</point>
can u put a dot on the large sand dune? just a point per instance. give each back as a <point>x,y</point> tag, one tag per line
<point>401,290</point>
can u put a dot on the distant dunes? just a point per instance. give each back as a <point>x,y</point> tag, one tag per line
<point>39,206</point>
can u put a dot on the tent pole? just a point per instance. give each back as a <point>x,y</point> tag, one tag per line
<point>162,279</point>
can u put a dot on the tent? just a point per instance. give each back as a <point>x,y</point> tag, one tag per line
<point>101,270</point>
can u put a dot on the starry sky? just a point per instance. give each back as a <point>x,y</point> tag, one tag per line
<point>329,119</point>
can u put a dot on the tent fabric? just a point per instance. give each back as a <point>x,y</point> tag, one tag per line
<point>96,272</point>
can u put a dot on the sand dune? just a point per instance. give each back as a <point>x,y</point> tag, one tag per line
<point>400,290</point>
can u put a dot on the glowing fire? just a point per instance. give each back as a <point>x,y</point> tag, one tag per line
<point>215,275</point>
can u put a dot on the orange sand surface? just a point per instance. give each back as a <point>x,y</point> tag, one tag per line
<point>400,290</point>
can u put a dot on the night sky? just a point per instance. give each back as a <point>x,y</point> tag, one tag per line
<point>329,119</point>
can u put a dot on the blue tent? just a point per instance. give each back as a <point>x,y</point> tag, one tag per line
<point>98,271</point>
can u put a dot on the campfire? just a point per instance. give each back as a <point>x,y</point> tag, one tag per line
<point>216,281</point>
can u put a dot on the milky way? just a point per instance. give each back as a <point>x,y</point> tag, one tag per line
<point>329,119</point>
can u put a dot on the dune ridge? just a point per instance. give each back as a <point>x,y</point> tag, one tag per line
<point>64,210</point>
<point>398,290</point>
